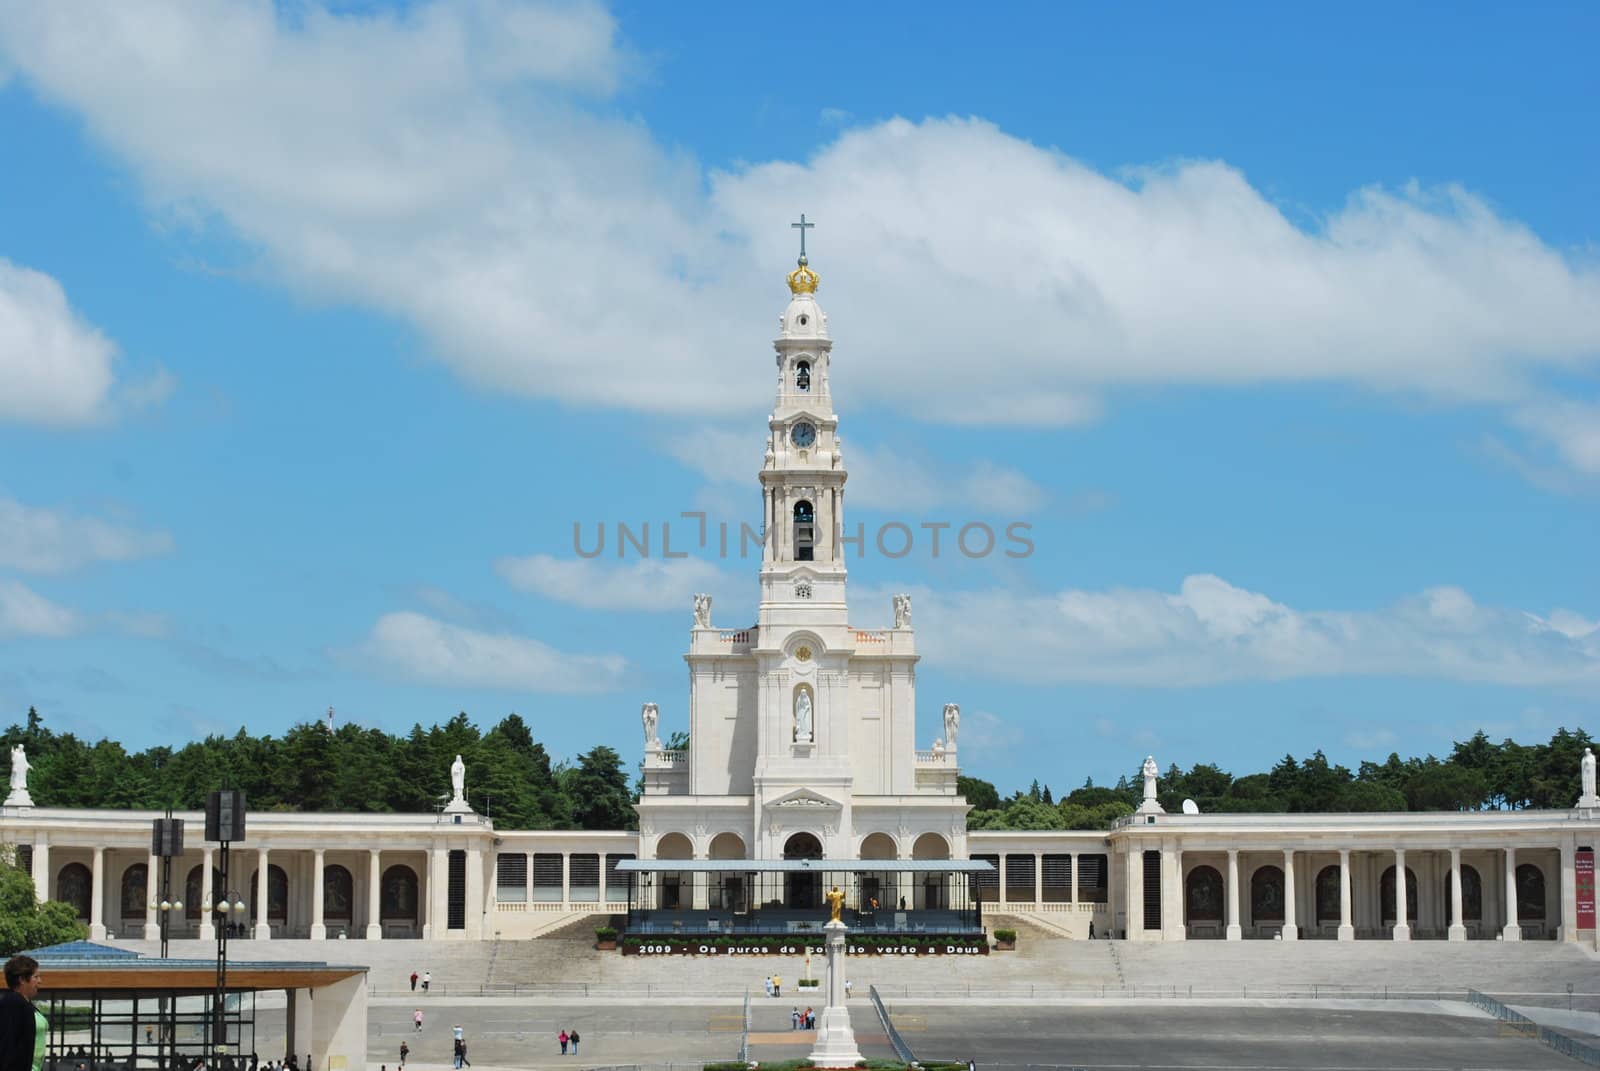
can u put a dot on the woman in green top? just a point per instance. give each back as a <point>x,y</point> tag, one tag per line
<point>24,1031</point>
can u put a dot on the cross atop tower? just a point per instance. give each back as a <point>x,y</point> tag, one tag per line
<point>802,227</point>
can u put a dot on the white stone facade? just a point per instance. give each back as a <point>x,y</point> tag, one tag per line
<point>802,739</point>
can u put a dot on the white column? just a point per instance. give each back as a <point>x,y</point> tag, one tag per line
<point>1133,878</point>
<point>41,869</point>
<point>1038,880</point>
<point>1072,876</point>
<point>152,893</point>
<point>1568,930</point>
<point>603,881</point>
<point>475,896</point>
<point>1347,929</point>
<point>1458,925</point>
<point>1513,930</point>
<point>1291,927</point>
<point>319,928</point>
<point>1172,924</point>
<point>263,906</point>
<point>97,898</point>
<point>374,904</point>
<point>1402,928</point>
<point>1234,932</point>
<point>207,893</point>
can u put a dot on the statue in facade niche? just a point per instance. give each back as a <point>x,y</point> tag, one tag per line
<point>702,610</point>
<point>952,723</point>
<point>802,717</point>
<point>650,715</point>
<point>902,611</point>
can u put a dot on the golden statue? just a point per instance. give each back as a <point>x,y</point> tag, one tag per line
<point>835,900</point>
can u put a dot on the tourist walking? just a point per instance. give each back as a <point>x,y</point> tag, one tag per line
<point>573,1037</point>
<point>413,981</point>
<point>405,1050</point>
<point>777,986</point>
<point>768,984</point>
<point>562,1037</point>
<point>427,980</point>
<point>794,1017</point>
<point>416,1019</point>
<point>24,1031</point>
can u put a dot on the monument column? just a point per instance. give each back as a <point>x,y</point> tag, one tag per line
<point>263,904</point>
<point>1458,925</point>
<point>319,929</point>
<point>97,898</point>
<point>152,891</point>
<point>1234,932</point>
<point>41,869</point>
<point>1513,930</point>
<point>207,893</point>
<point>1172,924</point>
<point>475,894</point>
<point>374,891</point>
<point>1402,928</point>
<point>1347,930</point>
<point>1291,929</point>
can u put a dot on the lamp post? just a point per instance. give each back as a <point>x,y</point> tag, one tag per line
<point>224,825</point>
<point>166,843</point>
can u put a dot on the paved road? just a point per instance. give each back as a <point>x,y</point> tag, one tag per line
<point>1120,1036</point>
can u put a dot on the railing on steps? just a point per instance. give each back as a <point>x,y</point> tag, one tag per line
<point>1581,1051</point>
<point>901,1049</point>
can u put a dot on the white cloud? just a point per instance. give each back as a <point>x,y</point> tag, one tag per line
<point>649,584</point>
<point>55,368</point>
<point>439,164</point>
<point>24,612</point>
<point>1210,631</point>
<point>419,648</point>
<point>34,539</point>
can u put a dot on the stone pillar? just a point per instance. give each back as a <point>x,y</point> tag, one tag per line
<point>1347,929</point>
<point>475,895</point>
<point>263,903</point>
<point>152,893</point>
<point>1458,925</point>
<point>1172,924</point>
<point>97,898</point>
<point>374,904</point>
<point>1513,930</point>
<point>1072,877</point>
<point>319,928</point>
<point>603,882</point>
<point>1291,925</point>
<point>835,1044</point>
<point>41,869</point>
<point>1402,927</point>
<point>207,930</point>
<point>1133,892</point>
<point>1568,929</point>
<point>1038,880</point>
<point>1234,930</point>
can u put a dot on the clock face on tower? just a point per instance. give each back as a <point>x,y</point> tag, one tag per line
<point>803,434</point>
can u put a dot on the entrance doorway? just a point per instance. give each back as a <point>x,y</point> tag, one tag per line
<point>802,889</point>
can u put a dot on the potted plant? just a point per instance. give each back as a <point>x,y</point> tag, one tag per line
<point>810,983</point>
<point>1005,940</point>
<point>605,938</point>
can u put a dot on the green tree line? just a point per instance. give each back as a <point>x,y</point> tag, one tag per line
<point>351,769</point>
<point>510,776</point>
<point>1479,774</point>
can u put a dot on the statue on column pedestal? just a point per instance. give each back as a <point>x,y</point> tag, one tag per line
<point>650,715</point>
<point>19,779</point>
<point>1586,776</point>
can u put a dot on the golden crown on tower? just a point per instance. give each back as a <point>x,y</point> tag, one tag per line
<point>803,280</point>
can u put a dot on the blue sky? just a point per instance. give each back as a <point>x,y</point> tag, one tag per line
<point>321,326</point>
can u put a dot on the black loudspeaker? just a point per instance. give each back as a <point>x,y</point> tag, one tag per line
<point>166,838</point>
<point>225,815</point>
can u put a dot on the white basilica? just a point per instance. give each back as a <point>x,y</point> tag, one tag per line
<point>802,770</point>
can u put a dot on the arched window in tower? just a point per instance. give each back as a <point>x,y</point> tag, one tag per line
<point>802,376</point>
<point>805,531</point>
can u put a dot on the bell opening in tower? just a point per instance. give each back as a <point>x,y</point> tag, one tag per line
<point>805,530</point>
<point>802,376</point>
